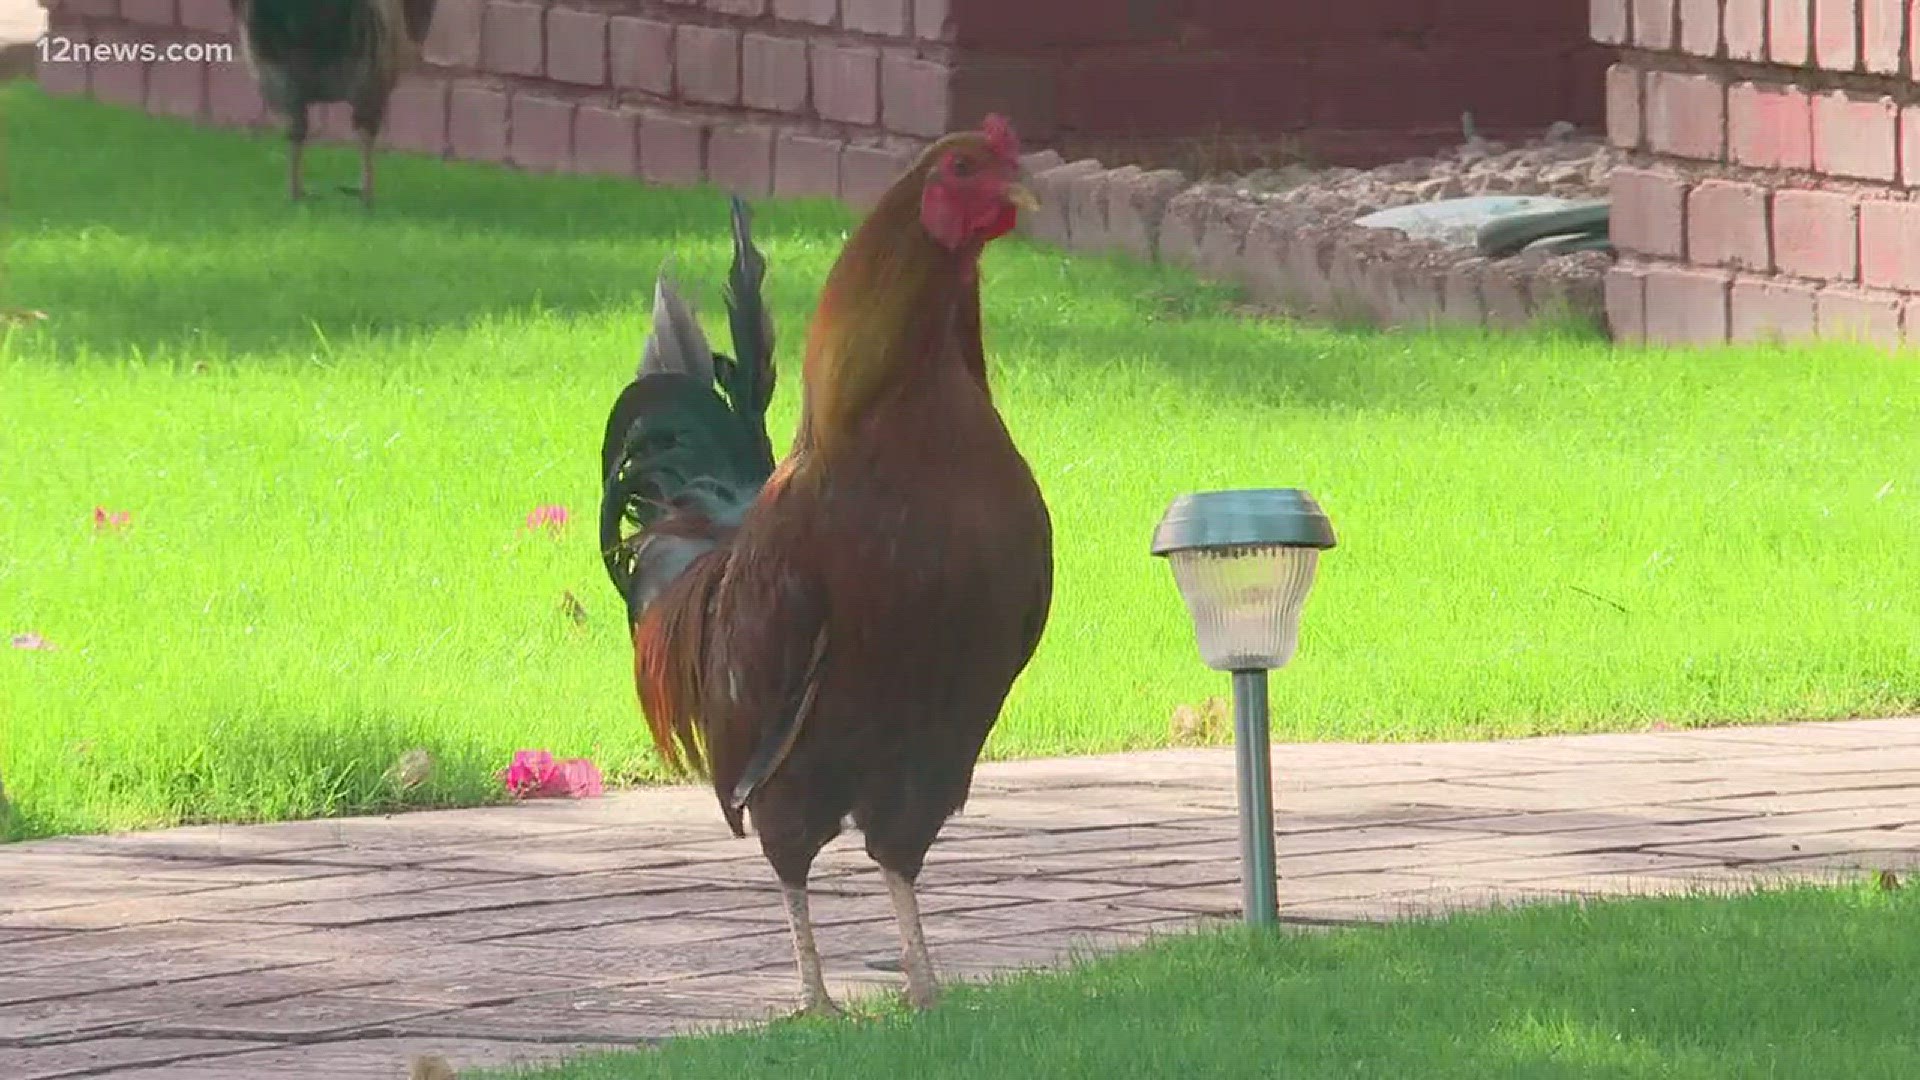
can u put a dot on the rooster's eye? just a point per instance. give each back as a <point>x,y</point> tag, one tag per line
<point>961,168</point>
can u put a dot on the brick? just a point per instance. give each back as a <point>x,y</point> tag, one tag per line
<point>1848,314</point>
<point>511,39</point>
<point>1579,295</point>
<point>1609,22</point>
<point>606,140</point>
<point>866,172</point>
<point>417,117</point>
<point>66,79</point>
<point>1222,243</point>
<point>1653,23</point>
<point>1743,29</point>
<point>1913,40</point>
<point>889,18</point>
<point>1264,259</point>
<point>806,166</point>
<point>1910,145</point>
<point>933,19</point>
<point>816,12</point>
<point>1310,278</point>
<point>541,132</point>
<point>1727,226</point>
<point>233,95</point>
<point>1769,128</point>
<point>774,73</point>
<point>1836,34</point>
<point>1763,310</point>
<point>577,47</point>
<point>1790,32</point>
<point>1055,189</point>
<point>453,39</point>
<point>1649,212</point>
<point>1626,302</point>
<point>119,82</point>
<point>477,123</point>
<point>1890,244</point>
<point>1183,230</point>
<point>1883,25</point>
<point>740,159</point>
<point>1461,301</point>
<point>1035,161</point>
<point>672,149</point>
<point>177,90</point>
<point>207,16</point>
<point>1687,306</point>
<point>915,94</point>
<point>1686,115</point>
<point>1503,292</point>
<point>1087,209</point>
<point>1624,121</point>
<point>744,8</point>
<point>150,12</point>
<point>1136,205</point>
<point>706,64</point>
<point>1909,322</point>
<point>1856,135</point>
<point>640,54</point>
<point>846,83</point>
<point>1700,27</point>
<point>1816,234</point>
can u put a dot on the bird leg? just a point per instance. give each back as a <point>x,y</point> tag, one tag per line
<point>366,169</point>
<point>812,981</point>
<point>922,988</point>
<point>296,143</point>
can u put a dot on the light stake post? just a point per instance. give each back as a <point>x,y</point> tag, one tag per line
<point>1244,562</point>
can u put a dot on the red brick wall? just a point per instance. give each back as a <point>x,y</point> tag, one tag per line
<point>1775,145</point>
<point>830,97</point>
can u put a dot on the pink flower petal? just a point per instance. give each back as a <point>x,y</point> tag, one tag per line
<point>32,641</point>
<point>581,779</point>
<point>535,775</point>
<point>105,520</point>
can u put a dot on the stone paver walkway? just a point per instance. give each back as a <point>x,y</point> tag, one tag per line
<point>338,949</point>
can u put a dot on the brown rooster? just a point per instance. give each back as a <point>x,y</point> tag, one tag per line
<point>831,641</point>
<point>308,52</point>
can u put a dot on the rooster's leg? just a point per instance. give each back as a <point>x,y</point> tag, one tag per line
<point>366,169</point>
<point>296,145</point>
<point>922,989</point>
<point>812,981</point>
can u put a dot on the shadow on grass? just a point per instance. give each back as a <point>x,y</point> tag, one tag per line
<point>150,237</point>
<point>139,235</point>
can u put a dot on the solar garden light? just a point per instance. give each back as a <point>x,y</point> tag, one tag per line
<point>1244,562</point>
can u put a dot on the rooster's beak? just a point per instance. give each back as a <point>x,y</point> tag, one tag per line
<point>1021,196</point>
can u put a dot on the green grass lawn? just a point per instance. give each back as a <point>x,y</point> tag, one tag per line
<point>1803,983</point>
<point>328,428</point>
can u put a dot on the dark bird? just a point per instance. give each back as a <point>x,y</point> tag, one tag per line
<point>311,52</point>
<point>831,641</point>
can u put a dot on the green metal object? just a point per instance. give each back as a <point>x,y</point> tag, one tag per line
<point>1511,234</point>
<point>1215,519</point>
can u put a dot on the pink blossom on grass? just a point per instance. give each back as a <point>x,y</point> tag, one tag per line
<point>535,775</point>
<point>32,641</point>
<point>110,521</point>
<point>552,518</point>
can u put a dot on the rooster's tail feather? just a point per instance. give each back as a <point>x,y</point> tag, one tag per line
<point>685,450</point>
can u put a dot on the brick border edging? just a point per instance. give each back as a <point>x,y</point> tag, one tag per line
<point>1306,268</point>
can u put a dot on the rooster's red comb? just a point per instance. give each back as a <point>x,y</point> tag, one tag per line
<point>1001,138</point>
